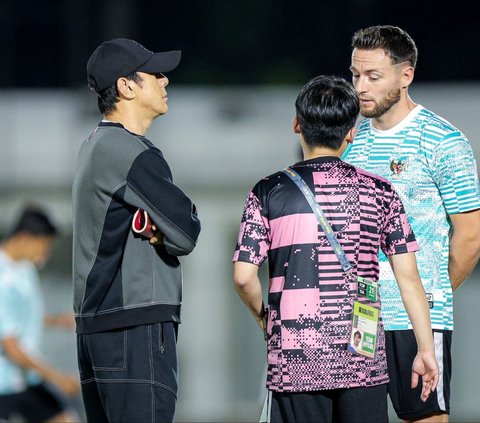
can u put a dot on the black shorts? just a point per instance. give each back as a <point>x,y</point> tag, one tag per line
<point>355,405</point>
<point>38,403</point>
<point>401,349</point>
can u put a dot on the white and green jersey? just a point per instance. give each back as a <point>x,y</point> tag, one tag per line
<point>432,167</point>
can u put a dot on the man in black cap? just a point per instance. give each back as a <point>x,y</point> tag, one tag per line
<point>127,287</point>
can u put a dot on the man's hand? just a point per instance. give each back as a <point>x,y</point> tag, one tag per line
<point>62,320</point>
<point>157,237</point>
<point>261,324</point>
<point>68,384</point>
<point>12,349</point>
<point>425,365</point>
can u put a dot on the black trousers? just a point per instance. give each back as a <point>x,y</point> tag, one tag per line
<point>129,375</point>
<point>355,405</point>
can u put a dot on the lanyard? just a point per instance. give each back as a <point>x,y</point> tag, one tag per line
<point>332,239</point>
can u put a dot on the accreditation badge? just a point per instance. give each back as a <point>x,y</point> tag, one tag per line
<point>363,336</point>
<point>368,289</point>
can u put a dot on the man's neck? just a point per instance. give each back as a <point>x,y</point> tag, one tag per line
<point>129,121</point>
<point>10,248</point>
<point>314,153</point>
<point>394,115</point>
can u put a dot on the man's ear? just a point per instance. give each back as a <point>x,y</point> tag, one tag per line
<point>125,88</point>
<point>296,125</point>
<point>351,135</point>
<point>408,73</point>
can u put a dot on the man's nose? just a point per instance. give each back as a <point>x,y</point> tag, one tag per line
<point>163,81</point>
<point>360,84</point>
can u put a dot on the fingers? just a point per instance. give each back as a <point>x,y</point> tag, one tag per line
<point>425,393</point>
<point>427,389</point>
<point>68,384</point>
<point>429,384</point>
<point>157,238</point>
<point>414,381</point>
<point>434,382</point>
<point>425,365</point>
<point>154,238</point>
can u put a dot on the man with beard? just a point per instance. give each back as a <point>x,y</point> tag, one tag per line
<point>431,165</point>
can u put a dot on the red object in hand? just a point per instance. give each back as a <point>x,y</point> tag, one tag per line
<point>141,223</point>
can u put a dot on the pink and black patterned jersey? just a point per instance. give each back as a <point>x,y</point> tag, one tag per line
<point>310,297</point>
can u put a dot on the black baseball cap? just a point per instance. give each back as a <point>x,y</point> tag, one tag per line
<point>120,57</point>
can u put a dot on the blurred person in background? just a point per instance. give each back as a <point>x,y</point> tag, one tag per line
<point>315,295</point>
<point>431,165</point>
<point>29,387</point>
<point>128,287</point>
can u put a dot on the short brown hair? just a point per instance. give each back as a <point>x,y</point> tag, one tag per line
<point>396,43</point>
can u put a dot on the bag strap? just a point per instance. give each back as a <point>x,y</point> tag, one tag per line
<point>322,220</point>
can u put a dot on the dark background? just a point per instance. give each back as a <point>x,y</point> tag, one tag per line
<point>47,43</point>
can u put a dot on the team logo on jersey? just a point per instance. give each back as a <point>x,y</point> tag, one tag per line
<point>430,300</point>
<point>397,166</point>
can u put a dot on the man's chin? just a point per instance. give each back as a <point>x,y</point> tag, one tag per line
<point>163,111</point>
<point>368,113</point>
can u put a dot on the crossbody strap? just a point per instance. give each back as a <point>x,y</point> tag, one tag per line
<point>332,239</point>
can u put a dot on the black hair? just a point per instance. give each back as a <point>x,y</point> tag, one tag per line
<point>327,108</point>
<point>34,221</point>
<point>109,97</point>
<point>394,41</point>
<point>357,333</point>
